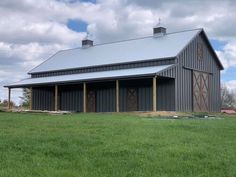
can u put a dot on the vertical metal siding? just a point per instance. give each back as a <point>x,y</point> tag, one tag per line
<point>122,98</point>
<point>145,97</point>
<point>144,89</point>
<point>189,58</point>
<point>165,94</point>
<point>171,72</point>
<point>71,98</point>
<point>43,98</point>
<point>105,96</point>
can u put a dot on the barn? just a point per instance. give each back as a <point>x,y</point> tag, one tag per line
<point>177,71</point>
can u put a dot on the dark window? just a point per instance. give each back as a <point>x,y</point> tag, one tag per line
<point>199,51</point>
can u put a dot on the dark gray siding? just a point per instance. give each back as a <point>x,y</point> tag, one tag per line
<point>144,89</point>
<point>165,94</point>
<point>71,98</point>
<point>170,72</point>
<point>145,98</point>
<point>188,61</point>
<point>181,99</point>
<point>105,96</point>
<point>43,98</point>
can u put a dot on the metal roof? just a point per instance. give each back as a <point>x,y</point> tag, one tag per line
<point>144,71</point>
<point>147,48</point>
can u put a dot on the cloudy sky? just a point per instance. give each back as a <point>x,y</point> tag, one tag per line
<point>33,30</point>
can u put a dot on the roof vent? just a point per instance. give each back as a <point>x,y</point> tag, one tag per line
<point>86,42</point>
<point>159,30</point>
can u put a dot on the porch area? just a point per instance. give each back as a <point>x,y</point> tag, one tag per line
<point>124,95</point>
<point>124,90</point>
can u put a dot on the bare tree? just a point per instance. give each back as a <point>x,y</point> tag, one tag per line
<point>228,98</point>
<point>5,103</point>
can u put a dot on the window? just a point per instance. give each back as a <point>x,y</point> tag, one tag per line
<point>199,51</point>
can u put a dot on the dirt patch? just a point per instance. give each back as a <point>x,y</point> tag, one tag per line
<point>40,111</point>
<point>164,114</point>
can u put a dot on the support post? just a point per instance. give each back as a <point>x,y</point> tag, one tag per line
<point>84,96</point>
<point>31,98</point>
<point>9,98</point>
<point>56,97</point>
<point>154,93</point>
<point>117,96</point>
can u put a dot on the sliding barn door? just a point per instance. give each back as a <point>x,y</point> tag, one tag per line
<point>200,92</point>
<point>91,101</point>
<point>132,99</point>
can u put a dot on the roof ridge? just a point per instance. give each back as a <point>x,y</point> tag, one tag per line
<point>133,39</point>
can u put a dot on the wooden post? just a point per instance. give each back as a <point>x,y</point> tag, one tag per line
<point>154,93</point>
<point>117,96</point>
<point>31,98</point>
<point>9,98</point>
<point>56,97</point>
<point>84,96</point>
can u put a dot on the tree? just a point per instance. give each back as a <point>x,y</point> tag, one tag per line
<point>25,97</point>
<point>228,98</point>
<point>5,103</point>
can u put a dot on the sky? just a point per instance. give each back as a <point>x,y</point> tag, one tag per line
<point>32,30</point>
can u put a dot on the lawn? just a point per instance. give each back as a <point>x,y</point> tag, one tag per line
<point>115,145</point>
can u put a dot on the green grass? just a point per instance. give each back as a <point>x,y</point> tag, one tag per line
<point>118,145</point>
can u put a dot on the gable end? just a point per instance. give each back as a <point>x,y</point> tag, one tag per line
<point>193,51</point>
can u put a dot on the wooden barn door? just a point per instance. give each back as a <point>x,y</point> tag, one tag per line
<point>91,101</point>
<point>200,92</point>
<point>132,99</point>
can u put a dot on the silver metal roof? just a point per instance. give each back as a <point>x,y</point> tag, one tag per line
<point>134,50</point>
<point>144,71</point>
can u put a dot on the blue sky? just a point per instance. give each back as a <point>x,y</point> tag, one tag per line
<point>217,44</point>
<point>230,73</point>
<point>92,1</point>
<point>38,29</point>
<point>77,25</point>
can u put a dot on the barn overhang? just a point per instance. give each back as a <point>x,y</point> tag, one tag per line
<point>93,76</point>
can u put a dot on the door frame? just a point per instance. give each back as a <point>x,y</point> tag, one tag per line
<point>88,102</point>
<point>208,90</point>
<point>128,102</point>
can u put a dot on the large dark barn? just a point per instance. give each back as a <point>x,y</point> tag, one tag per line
<point>166,71</point>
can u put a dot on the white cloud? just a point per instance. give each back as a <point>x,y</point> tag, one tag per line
<point>231,85</point>
<point>31,31</point>
<point>228,55</point>
<point>17,59</point>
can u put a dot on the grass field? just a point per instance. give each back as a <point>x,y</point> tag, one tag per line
<point>119,145</point>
